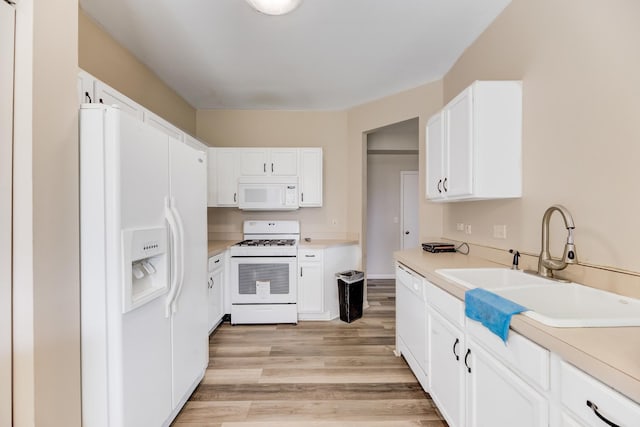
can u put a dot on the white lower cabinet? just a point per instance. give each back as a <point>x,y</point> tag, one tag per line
<point>215,289</point>
<point>310,283</point>
<point>317,285</point>
<point>474,378</point>
<point>446,373</point>
<point>496,396</point>
<point>593,403</point>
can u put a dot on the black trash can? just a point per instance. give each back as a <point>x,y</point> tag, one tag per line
<point>350,294</point>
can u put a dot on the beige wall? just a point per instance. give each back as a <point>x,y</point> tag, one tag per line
<point>580,66</point>
<point>103,57</point>
<point>236,128</point>
<point>46,296</point>
<point>421,102</point>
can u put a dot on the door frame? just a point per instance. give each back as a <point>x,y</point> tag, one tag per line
<point>7,72</point>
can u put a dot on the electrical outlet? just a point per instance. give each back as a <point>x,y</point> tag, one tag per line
<point>460,226</point>
<point>467,229</point>
<point>500,231</point>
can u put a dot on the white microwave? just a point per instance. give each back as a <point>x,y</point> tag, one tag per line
<point>268,193</point>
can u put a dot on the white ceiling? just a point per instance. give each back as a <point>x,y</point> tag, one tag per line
<point>326,55</point>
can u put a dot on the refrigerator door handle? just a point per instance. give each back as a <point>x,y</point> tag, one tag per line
<point>180,257</point>
<point>175,263</point>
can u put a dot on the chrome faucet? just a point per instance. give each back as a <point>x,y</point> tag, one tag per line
<point>546,264</point>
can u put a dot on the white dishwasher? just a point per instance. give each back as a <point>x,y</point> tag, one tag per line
<point>215,291</point>
<point>411,321</point>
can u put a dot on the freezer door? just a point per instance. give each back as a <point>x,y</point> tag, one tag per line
<point>189,329</point>
<point>145,331</point>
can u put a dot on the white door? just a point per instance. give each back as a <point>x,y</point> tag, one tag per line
<point>7,21</point>
<point>310,177</point>
<point>409,197</point>
<point>109,96</point>
<point>253,161</point>
<point>226,171</point>
<point>284,162</point>
<point>310,287</point>
<point>189,328</point>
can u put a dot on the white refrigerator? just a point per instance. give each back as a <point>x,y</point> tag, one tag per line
<point>143,270</point>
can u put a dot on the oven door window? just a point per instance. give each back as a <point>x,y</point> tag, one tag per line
<point>263,279</point>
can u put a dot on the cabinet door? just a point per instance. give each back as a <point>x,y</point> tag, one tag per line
<point>215,298</point>
<point>435,152</point>
<point>446,374</point>
<point>310,283</point>
<point>227,176</point>
<point>458,180</point>
<point>212,177</point>
<point>85,87</point>
<point>310,177</point>
<point>163,125</point>
<point>283,162</point>
<point>109,96</point>
<point>254,161</point>
<point>497,397</point>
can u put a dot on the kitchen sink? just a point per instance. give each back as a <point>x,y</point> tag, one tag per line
<point>565,305</point>
<point>491,278</point>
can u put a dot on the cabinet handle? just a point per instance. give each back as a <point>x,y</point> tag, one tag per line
<point>439,183</point>
<point>100,100</point>
<point>594,408</point>
<point>466,356</point>
<point>302,197</point>
<point>455,344</point>
<point>235,197</point>
<point>264,167</point>
<point>444,185</point>
<point>271,167</point>
<point>87,96</point>
<point>216,261</point>
<point>300,271</point>
<point>310,256</point>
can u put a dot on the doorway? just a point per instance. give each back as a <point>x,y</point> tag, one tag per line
<point>390,150</point>
<point>7,45</point>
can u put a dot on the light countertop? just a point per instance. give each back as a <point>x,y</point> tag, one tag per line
<point>611,355</point>
<point>216,247</point>
<point>325,243</point>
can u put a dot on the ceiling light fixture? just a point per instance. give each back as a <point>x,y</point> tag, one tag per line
<point>274,7</point>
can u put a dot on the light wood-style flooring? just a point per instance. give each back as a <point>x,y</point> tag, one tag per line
<point>314,374</point>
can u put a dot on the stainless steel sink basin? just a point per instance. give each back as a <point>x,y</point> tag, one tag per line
<point>549,302</point>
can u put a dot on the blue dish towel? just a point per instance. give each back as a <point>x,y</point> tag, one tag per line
<point>491,310</point>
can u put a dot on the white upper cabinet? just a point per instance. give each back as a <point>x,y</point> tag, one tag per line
<point>109,96</point>
<point>474,145</point>
<point>223,179</point>
<point>269,162</point>
<point>310,177</point>
<point>163,125</point>
<point>85,87</point>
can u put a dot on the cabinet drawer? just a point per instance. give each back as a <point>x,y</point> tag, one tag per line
<point>216,262</point>
<point>578,388</point>
<point>310,255</point>
<point>522,355</point>
<point>446,304</point>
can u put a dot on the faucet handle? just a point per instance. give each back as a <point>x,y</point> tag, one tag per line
<point>516,257</point>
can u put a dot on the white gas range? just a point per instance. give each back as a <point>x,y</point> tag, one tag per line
<point>262,277</point>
